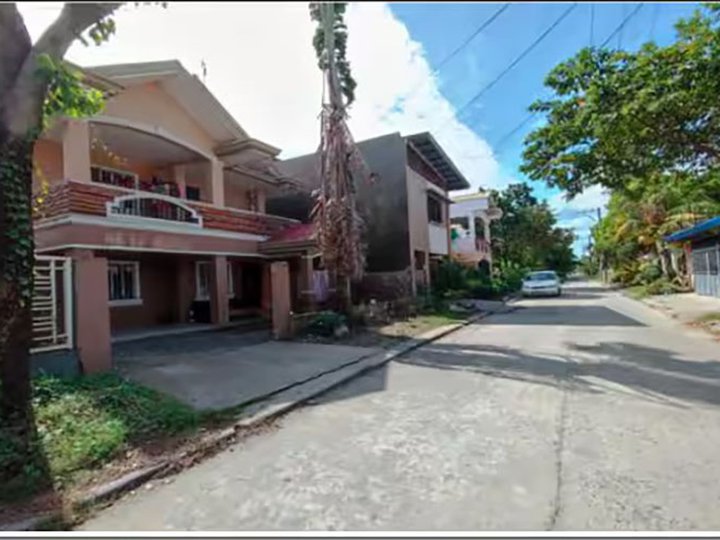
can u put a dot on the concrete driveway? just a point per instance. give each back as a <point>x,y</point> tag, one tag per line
<point>216,370</point>
<point>587,412</point>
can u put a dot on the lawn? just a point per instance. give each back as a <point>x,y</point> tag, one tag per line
<point>83,423</point>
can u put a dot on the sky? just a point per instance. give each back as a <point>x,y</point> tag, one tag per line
<point>262,67</point>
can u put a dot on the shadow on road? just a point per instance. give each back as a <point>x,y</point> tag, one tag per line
<point>554,314</point>
<point>656,374</point>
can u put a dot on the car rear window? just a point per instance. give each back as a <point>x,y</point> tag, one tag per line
<point>542,276</point>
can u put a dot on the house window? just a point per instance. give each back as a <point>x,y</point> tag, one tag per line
<point>434,206</point>
<point>114,177</point>
<point>192,193</point>
<point>124,283</point>
<point>202,280</point>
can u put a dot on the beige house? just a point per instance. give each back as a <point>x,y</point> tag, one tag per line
<point>470,217</point>
<point>152,213</point>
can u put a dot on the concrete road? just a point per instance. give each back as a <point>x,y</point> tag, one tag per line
<point>587,412</point>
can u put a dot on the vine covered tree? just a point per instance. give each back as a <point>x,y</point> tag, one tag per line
<point>36,85</point>
<point>336,217</point>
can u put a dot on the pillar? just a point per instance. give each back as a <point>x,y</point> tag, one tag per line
<point>92,311</point>
<point>266,296</point>
<point>184,288</point>
<point>179,178</point>
<point>76,150</point>
<point>305,283</point>
<point>219,309</point>
<point>281,306</point>
<point>217,188</point>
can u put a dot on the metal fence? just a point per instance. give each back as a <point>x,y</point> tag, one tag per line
<point>52,307</point>
<point>706,270</point>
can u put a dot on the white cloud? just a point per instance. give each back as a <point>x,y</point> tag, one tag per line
<point>262,67</point>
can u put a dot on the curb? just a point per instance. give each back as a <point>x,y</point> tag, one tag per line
<point>258,412</point>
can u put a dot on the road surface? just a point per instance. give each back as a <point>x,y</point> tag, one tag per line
<point>587,412</point>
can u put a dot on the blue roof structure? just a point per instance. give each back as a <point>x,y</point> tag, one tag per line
<point>695,231</point>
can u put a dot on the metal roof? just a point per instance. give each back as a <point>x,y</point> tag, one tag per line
<point>426,144</point>
<point>695,231</point>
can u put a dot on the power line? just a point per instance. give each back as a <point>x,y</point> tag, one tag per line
<point>464,44</point>
<point>655,14</point>
<point>532,114</point>
<point>517,128</point>
<point>517,60</point>
<point>621,25</point>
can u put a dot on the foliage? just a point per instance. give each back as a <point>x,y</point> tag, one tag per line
<point>646,126</point>
<point>659,286</point>
<point>325,323</point>
<point>347,83</point>
<point>455,281</point>
<point>527,235</point>
<point>86,421</point>
<point>617,116</point>
<point>67,93</point>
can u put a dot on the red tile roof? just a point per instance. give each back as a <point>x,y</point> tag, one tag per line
<point>294,233</point>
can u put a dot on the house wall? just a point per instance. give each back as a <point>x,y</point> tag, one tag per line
<point>48,161</point>
<point>150,104</point>
<point>60,236</point>
<point>157,289</point>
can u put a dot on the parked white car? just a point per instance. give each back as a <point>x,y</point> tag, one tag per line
<point>543,283</point>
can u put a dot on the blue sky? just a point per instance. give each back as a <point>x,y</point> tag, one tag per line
<point>441,27</point>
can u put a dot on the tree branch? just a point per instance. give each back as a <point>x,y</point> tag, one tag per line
<point>74,19</point>
<point>22,109</point>
<point>15,44</point>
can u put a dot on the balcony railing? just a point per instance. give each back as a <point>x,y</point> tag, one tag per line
<point>154,207</point>
<point>73,197</point>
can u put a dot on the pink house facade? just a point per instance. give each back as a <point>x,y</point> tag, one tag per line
<point>159,204</point>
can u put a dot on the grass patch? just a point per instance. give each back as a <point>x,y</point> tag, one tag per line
<point>709,318</point>
<point>82,423</point>
<point>638,292</point>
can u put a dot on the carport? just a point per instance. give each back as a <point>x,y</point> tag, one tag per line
<point>217,370</point>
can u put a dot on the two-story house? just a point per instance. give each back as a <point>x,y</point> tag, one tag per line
<point>405,210</point>
<point>157,208</point>
<point>470,218</point>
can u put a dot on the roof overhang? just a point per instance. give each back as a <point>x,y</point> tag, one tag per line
<point>190,92</point>
<point>431,151</point>
<point>704,229</point>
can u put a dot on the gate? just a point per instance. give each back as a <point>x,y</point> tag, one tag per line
<point>706,270</point>
<point>52,304</point>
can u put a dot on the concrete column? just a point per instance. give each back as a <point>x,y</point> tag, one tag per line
<point>471,225</point>
<point>219,310</point>
<point>261,198</point>
<point>92,311</point>
<point>266,287</point>
<point>280,277</point>
<point>305,283</point>
<point>217,185</point>
<point>184,288</point>
<point>179,178</point>
<point>76,150</point>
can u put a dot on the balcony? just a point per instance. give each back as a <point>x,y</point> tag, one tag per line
<point>153,211</point>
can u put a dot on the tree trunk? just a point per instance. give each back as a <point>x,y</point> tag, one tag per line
<point>16,273</point>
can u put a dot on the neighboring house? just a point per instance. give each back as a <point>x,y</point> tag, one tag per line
<point>702,248</point>
<point>405,208</point>
<point>156,206</point>
<point>470,218</point>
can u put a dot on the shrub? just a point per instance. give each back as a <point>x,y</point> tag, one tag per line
<point>325,323</point>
